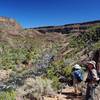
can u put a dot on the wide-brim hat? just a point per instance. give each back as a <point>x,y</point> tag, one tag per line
<point>92,62</point>
<point>76,66</point>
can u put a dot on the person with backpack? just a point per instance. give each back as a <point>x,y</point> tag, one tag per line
<point>96,58</point>
<point>77,78</point>
<point>92,81</point>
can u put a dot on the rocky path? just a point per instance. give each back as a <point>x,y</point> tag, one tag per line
<point>67,94</point>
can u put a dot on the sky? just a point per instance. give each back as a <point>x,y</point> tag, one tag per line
<point>35,13</point>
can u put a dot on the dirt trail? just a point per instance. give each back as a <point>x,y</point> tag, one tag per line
<point>67,94</point>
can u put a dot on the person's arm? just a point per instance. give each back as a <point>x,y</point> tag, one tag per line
<point>95,76</point>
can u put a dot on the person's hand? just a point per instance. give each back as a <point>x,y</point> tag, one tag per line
<point>98,81</point>
<point>87,80</point>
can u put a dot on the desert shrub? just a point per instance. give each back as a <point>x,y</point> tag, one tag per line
<point>55,83</point>
<point>86,39</point>
<point>37,87</point>
<point>59,71</point>
<point>51,74</point>
<point>77,42</point>
<point>96,45</point>
<point>8,95</point>
<point>68,70</point>
<point>11,56</point>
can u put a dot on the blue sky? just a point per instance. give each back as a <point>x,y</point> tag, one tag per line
<point>34,13</point>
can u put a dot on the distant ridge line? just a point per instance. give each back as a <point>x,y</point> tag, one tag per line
<point>80,23</point>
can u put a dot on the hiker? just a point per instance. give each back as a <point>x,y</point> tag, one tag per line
<point>96,58</point>
<point>77,78</point>
<point>92,80</point>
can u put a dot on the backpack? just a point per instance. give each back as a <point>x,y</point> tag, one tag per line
<point>78,75</point>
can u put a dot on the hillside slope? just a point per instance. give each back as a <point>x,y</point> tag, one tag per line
<point>33,60</point>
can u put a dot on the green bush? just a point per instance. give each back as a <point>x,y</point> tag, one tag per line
<point>55,83</point>
<point>68,70</point>
<point>96,45</point>
<point>8,95</point>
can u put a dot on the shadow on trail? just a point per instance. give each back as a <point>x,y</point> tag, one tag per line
<point>72,96</point>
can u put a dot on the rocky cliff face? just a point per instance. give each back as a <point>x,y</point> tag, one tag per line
<point>69,28</point>
<point>9,23</point>
<point>10,26</point>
